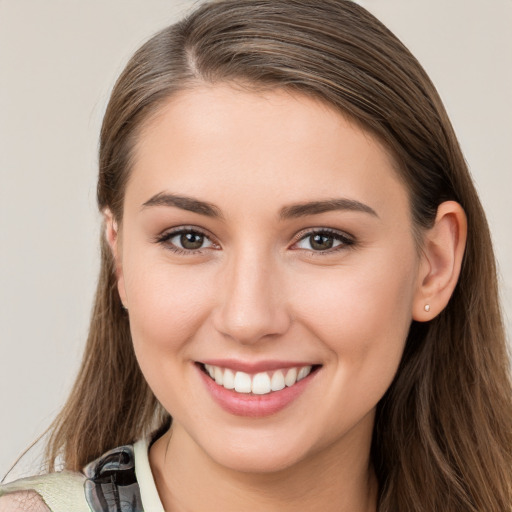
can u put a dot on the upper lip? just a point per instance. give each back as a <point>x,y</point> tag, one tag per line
<point>255,366</point>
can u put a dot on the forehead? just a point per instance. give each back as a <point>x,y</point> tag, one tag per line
<point>224,144</point>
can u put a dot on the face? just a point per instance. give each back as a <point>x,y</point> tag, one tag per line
<point>267,241</point>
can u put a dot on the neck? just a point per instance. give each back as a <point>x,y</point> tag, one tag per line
<point>338,478</point>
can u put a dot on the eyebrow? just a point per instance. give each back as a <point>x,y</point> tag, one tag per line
<point>185,203</point>
<point>288,212</point>
<point>317,207</point>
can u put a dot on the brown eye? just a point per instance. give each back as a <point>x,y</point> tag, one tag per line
<point>186,240</point>
<point>324,241</point>
<point>191,241</point>
<point>321,242</point>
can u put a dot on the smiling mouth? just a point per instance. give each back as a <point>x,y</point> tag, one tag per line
<point>261,383</point>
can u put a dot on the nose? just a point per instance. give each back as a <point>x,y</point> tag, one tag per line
<point>252,305</point>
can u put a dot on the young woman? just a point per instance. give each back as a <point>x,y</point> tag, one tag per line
<point>297,306</point>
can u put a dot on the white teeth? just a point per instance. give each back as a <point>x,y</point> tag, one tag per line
<point>211,370</point>
<point>259,384</point>
<point>303,372</point>
<point>291,377</point>
<point>229,379</point>
<point>277,382</point>
<point>219,376</point>
<point>242,382</point>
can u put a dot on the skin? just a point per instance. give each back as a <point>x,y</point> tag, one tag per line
<point>23,501</point>
<point>257,290</point>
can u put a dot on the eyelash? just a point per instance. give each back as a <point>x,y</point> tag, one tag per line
<point>185,230</point>
<point>347,241</point>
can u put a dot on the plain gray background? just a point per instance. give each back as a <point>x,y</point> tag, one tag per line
<point>58,62</point>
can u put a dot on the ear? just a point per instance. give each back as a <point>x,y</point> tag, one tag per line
<point>114,242</point>
<point>442,253</point>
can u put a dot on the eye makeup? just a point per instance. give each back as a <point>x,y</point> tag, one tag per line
<point>191,240</point>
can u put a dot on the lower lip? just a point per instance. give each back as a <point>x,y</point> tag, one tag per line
<point>255,406</point>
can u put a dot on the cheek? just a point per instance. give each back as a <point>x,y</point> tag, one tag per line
<point>168,305</point>
<point>363,321</point>
<point>362,316</point>
<point>167,302</point>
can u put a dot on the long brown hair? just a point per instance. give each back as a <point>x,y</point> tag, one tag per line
<point>443,431</point>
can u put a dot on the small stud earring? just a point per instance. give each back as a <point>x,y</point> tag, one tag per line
<point>427,307</point>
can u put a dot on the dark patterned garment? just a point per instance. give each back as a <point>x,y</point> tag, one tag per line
<point>108,484</point>
<point>111,484</point>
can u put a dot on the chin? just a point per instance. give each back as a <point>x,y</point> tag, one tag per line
<point>257,450</point>
<point>256,460</point>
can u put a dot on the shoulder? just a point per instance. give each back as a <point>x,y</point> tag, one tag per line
<point>54,492</point>
<point>108,484</point>
<point>23,501</point>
